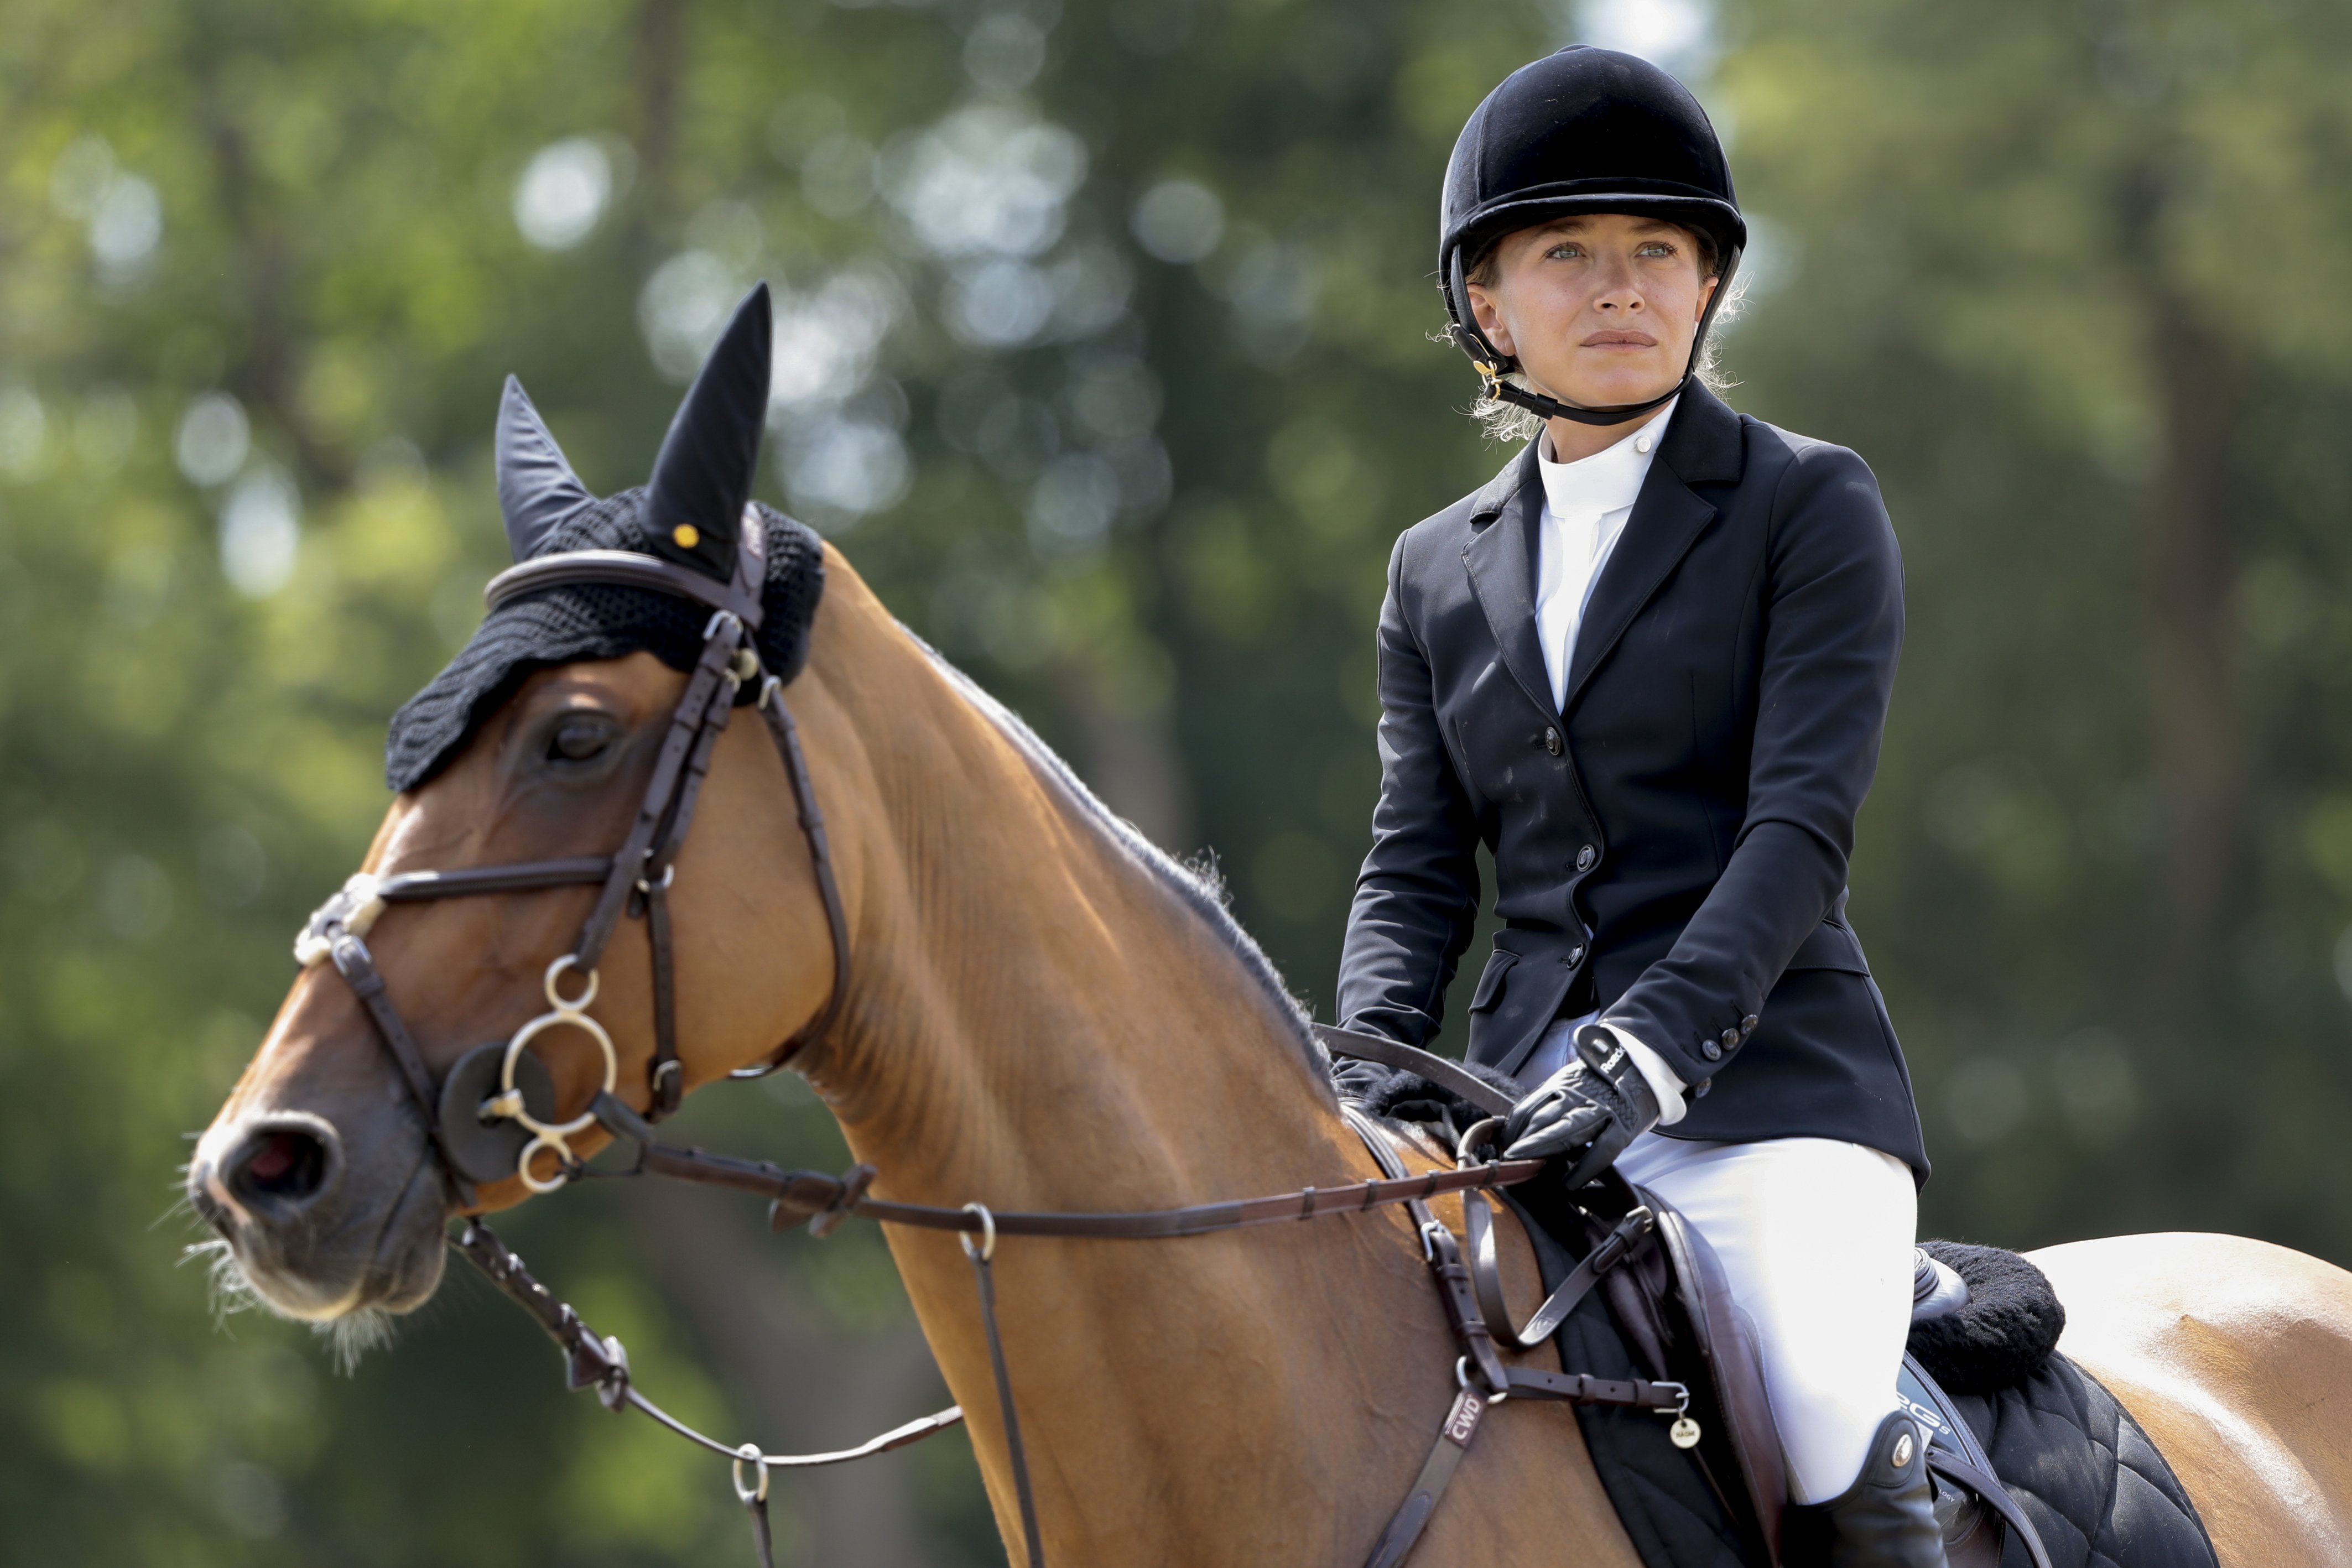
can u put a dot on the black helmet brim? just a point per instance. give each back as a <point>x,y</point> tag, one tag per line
<point>1711,215</point>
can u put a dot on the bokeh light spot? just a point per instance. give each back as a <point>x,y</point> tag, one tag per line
<point>1178,220</point>
<point>562,193</point>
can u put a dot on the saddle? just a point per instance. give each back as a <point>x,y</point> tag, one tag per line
<point>2036,1464</point>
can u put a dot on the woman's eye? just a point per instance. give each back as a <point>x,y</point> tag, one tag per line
<point>1657,249</point>
<point>578,740</point>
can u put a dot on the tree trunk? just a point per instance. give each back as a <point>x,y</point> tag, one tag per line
<point>1126,752</point>
<point>2190,570</point>
<point>265,375</point>
<point>661,68</point>
<point>2198,741</point>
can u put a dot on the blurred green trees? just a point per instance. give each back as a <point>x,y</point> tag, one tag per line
<point>1104,354</point>
<point>2069,280</point>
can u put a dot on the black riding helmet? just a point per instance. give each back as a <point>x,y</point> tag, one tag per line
<point>1584,130</point>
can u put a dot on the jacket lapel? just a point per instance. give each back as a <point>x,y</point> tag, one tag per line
<point>1501,560</point>
<point>1702,447</point>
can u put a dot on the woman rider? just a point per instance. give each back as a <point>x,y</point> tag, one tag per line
<point>1648,666</point>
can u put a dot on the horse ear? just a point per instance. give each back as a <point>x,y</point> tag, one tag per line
<point>537,488</point>
<point>702,479</point>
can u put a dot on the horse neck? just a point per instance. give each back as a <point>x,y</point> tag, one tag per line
<point>1043,1016</point>
<point>1042,1019</point>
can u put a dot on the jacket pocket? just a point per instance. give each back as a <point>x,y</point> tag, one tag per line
<point>1829,945</point>
<point>1490,981</point>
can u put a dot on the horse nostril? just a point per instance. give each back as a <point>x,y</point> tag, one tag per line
<point>282,1167</point>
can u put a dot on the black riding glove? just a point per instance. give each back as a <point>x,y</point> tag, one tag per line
<point>1587,1112</point>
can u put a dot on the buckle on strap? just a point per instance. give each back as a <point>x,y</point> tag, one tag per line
<point>353,907</point>
<point>1638,1222</point>
<point>1461,1381</point>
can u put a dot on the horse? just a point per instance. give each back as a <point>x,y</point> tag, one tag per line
<point>1046,1013</point>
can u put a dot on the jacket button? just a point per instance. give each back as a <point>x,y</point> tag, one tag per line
<point>1575,957</point>
<point>1552,740</point>
<point>1747,1025</point>
<point>1585,857</point>
<point>1730,1038</point>
<point>1711,1051</point>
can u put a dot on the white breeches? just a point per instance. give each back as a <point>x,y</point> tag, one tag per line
<point>1815,1237</point>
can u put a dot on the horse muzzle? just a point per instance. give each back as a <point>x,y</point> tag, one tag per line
<point>321,1228</point>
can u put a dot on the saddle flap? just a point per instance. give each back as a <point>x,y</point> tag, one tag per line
<point>1721,1342</point>
<point>1972,1534</point>
<point>1929,1406</point>
<point>1633,1290</point>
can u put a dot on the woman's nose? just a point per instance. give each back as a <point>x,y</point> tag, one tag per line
<point>1619,293</point>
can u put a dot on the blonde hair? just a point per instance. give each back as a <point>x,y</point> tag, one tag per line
<point>1508,422</point>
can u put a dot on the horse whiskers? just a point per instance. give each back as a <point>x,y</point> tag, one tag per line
<point>347,1338</point>
<point>352,1335</point>
<point>182,1206</point>
<point>232,1290</point>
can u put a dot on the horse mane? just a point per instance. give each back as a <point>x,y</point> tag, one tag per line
<point>1198,891</point>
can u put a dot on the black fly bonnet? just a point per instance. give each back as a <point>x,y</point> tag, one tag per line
<point>689,569</point>
<point>699,493</point>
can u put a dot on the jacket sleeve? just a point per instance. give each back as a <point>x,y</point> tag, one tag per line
<point>1417,896</point>
<point>1833,608</point>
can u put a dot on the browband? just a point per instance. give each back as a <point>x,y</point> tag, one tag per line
<point>621,568</point>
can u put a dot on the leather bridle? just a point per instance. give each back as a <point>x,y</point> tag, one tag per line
<point>495,1112</point>
<point>634,881</point>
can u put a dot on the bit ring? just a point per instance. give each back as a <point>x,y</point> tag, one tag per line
<point>986,1251</point>
<point>751,1495</point>
<point>554,1136</point>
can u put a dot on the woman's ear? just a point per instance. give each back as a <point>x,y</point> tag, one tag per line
<point>1490,317</point>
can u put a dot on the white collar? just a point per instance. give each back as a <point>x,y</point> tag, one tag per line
<point>1610,478</point>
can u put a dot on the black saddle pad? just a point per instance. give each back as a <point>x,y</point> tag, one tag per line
<point>2099,1494</point>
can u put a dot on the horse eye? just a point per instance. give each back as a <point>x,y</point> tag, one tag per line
<point>577,740</point>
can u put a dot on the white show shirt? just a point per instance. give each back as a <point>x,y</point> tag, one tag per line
<point>1586,503</point>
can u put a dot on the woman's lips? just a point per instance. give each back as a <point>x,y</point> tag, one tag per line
<point>1621,341</point>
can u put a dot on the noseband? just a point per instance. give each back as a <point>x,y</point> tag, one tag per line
<point>492,1117</point>
<point>495,1112</point>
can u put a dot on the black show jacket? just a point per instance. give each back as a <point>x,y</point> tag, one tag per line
<point>1670,844</point>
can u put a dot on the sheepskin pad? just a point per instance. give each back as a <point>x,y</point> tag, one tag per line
<point>2009,1329</point>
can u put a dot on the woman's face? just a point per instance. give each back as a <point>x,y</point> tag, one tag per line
<point>1600,309</point>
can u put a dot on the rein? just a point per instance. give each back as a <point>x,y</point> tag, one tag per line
<point>495,1112</point>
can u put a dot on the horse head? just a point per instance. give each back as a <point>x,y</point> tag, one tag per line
<point>332,1168</point>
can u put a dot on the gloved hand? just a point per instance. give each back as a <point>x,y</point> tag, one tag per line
<point>1587,1112</point>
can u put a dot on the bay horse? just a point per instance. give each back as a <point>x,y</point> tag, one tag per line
<point>1047,1013</point>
